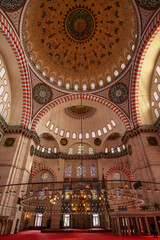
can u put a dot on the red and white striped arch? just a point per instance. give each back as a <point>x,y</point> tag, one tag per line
<point>121,169</point>
<point>8,32</point>
<point>148,38</point>
<point>33,174</point>
<point>97,99</point>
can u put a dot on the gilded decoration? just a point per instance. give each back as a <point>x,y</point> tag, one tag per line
<point>118,93</point>
<point>70,42</point>
<point>42,93</point>
<point>63,141</point>
<point>97,141</point>
<point>11,5</point>
<point>78,111</point>
<point>80,24</point>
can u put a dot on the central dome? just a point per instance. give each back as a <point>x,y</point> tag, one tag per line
<point>80,24</point>
<point>80,46</point>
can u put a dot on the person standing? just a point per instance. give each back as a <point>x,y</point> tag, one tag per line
<point>153,227</point>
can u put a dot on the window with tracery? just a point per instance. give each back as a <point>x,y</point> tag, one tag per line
<point>91,151</point>
<point>155,100</point>
<point>80,150</point>
<point>70,151</point>
<point>80,170</point>
<point>5,97</point>
<point>68,171</point>
<point>93,170</point>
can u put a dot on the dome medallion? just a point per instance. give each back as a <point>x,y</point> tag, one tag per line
<point>80,25</point>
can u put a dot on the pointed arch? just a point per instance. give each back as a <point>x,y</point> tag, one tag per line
<point>67,98</point>
<point>118,168</point>
<point>148,38</point>
<point>8,32</point>
<point>33,174</point>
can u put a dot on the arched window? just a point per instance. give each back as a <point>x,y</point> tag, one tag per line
<point>156,112</point>
<point>80,136</point>
<point>106,150</point>
<point>99,133</point>
<point>109,126</point>
<point>158,70</point>
<point>91,151</point>
<point>93,135</point>
<point>84,87</point>
<point>43,149</point>
<point>118,149</point>
<point>67,85</point>
<point>51,127</point>
<point>112,150</point>
<point>1,90</point>
<point>76,87</point>
<point>59,83</point>
<point>87,135</point>
<point>5,97</point>
<point>104,129</point>
<point>5,113</point>
<point>67,134</point>
<point>1,107</point>
<point>68,171</point>
<point>93,170</point>
<point>74,135</point>
<point>5,82</point>
<point>156,95</point>
<point>113,123</point>
<point>80,170</point>
<point>55,150</point>
<point>80,150</point>
<point>61,133</point>
<point>47,124</point>
<point>2,72</point>
<point>56,130</point>
<point>70,151</point>
<point>38,147</point>
<point>49,150</point>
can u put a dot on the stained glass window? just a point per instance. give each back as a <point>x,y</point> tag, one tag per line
<point>94,194</point>
<point>44,176</point>
<point>68,171</point>
<point>80,170</point>
<point>116,176</point>
<point>93,170</point>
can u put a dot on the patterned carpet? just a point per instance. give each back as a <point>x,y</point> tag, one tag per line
<point>37,235</point>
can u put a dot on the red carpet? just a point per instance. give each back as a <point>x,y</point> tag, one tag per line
<point>37,235</point>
